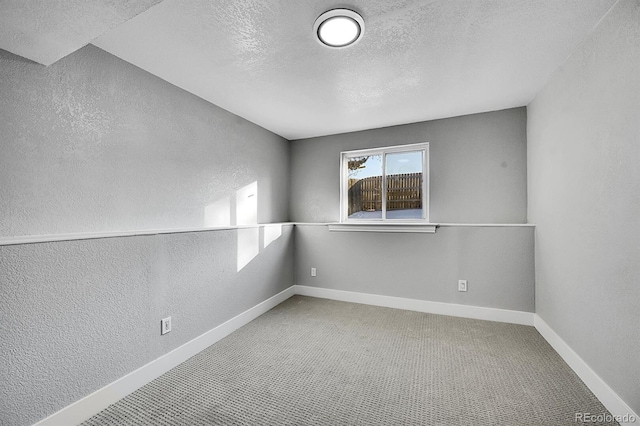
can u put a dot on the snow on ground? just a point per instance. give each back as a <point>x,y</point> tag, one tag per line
<point>391,214</point>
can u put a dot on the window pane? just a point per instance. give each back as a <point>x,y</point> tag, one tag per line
<point>404,185</point>
<point>365,187</point>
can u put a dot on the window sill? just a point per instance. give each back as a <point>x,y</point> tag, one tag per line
<point>427,228</point>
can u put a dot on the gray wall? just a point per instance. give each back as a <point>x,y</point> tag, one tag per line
<point>478,175</point>
<point>497,262</point>
<point>584,196</point>
<point>77,315</point>
<point>93,143</point>
<point>478,168</point>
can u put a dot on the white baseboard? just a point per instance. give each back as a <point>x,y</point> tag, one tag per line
<point>602,391</point>
<point>92,404</point>
<point>474,312</point>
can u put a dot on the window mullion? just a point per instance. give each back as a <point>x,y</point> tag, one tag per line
<point>424,197</point>
<point>425,183</point>
<point>344,183</point>
<point>384,186</point>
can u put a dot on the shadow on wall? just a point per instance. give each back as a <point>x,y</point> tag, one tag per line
<point>245,205</point>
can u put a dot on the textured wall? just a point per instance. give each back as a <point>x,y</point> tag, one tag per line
<point>478,168</point>
<point>497,262</point>
<point>93,143</point>
<point>77,315</point>
<point>584,186</point>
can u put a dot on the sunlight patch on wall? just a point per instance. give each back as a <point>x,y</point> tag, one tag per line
<point>221,212</point>
<point>271,233</point>
<point>248,245</point>
<point>247,214</point>
<point>247,205</point>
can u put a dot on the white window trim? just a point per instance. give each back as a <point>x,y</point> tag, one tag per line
<point>423,228</point>
<point>344,179</point>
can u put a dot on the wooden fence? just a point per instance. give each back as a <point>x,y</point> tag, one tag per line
<point>404,191</point>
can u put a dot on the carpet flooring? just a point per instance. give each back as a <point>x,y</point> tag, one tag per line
<point>320,362</point>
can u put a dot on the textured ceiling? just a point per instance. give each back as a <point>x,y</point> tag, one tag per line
<point>418,60</point>
<point>47,30</point>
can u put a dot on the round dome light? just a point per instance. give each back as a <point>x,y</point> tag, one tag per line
<point>339,28</point>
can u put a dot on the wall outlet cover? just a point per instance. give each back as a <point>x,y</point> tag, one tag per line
<point>165,325</point>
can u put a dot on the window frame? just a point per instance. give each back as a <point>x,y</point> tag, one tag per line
<point>344,182</point>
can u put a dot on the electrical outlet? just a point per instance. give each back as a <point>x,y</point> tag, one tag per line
<point>313,272</point>
<point>165,325</point>
<point>462,285</point>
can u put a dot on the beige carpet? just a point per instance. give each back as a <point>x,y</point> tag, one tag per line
<point>320,362</point>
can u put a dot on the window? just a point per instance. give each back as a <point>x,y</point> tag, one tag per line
<point>385,184</point>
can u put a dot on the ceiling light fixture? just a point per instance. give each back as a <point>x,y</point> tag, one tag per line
<point>339,28</point>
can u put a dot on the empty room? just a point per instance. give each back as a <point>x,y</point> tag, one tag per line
<point>370,212</point>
